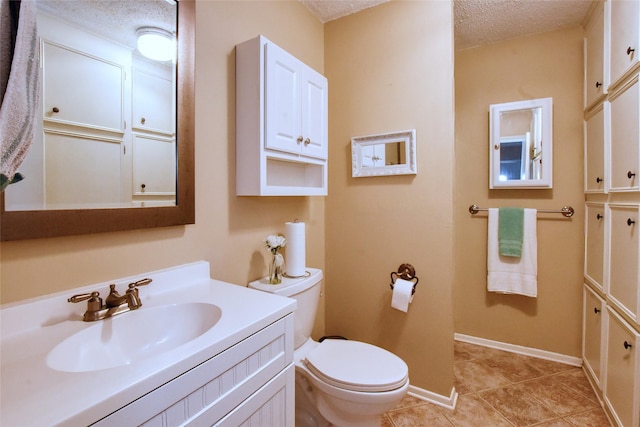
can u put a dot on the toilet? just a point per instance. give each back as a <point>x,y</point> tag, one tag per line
<point>338,382</point>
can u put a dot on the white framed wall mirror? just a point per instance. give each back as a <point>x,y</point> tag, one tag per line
<point>521,144</point>
<point>384,154</point>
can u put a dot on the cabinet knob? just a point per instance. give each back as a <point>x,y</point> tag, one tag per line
<point>598,84</point>
<point>630,174</point>
<point>307,142</point>
<point>599,180</point>
<point>143,120</point>
<point>630,51</point>
<point>627,346</point>
<point>630,222</point>
<point>299,140</point>
<point>143,186</point>
<point>598,217</point>
<point>55,109</point>
<point>596,310</point>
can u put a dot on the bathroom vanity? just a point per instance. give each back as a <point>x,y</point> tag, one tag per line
<point>198,352</point>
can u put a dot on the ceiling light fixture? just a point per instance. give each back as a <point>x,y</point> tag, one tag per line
<point>156,43</point>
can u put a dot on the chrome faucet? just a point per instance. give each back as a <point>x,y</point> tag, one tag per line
<point>114,303</point>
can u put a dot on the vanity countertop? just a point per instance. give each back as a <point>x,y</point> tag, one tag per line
<point>33,394</point>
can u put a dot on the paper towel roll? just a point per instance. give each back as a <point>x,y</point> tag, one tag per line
<point>402,296</point>
<point>296,250</point>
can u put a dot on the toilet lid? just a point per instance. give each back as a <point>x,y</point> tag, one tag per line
<point>357,366</point>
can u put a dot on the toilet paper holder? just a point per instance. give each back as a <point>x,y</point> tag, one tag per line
<point>405,272</point>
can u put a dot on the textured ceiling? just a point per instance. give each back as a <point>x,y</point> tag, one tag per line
<point>479,22</point>
<point>117,21</point>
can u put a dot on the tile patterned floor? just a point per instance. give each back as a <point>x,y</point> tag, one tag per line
<point>501,389</point>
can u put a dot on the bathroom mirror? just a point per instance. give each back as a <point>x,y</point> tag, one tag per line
<point>29,224</point>
<point>384,154</point>
<point>521,146</point>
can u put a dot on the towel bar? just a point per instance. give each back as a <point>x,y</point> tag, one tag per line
<point>566,211</point>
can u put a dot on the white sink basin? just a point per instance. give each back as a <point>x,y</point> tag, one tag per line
<point>132,336</point>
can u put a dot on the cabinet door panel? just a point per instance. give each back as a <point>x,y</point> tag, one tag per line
<point>622,371</point>
<point>314,114</point>
<point>593,306</point>
<point>153,103</point>
<point>282,115</point>
<point>82,171</point>
<point>594,82</point>
<point>624,36</point>
<point>594,153</point>
<point>624,257</point>
<point>81,89</point>
<point>594,244</point>
<point>154,162</point>
<point>625,139</point>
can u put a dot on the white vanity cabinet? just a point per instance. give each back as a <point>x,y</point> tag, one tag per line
<point>624,19</point>
<point>623,371</point>
<point>281,123</point>
<point>252,380</point>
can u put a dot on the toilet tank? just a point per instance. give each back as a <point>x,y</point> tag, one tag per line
<point>306,291</point>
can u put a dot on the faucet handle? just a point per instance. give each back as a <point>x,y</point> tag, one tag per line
<point>84,297</point>
<point>141,282</point>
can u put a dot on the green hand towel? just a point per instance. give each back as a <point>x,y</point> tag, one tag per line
<point>510,231</point>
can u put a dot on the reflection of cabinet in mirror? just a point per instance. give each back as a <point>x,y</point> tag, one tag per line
<point>84,154</point>
<point>521,144</point>
<point>384,154</point>
<point>281,123</point>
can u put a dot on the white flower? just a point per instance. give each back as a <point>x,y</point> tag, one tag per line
<point>275,242</point>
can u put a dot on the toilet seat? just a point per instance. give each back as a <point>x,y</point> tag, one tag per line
<point>357,366</point>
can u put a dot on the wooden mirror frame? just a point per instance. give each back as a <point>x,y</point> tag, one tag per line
<point>20,225</point>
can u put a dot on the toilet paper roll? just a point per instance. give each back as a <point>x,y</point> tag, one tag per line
<point>402,297</point>
<point>296,249</point>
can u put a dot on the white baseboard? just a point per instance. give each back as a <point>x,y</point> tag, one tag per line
<point>527,351</point>
<point>437,399</point>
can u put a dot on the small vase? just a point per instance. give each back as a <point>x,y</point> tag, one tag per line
<point>275,269</point>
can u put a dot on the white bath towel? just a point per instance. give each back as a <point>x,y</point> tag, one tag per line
<point>20,101</point>
<point>512,275</point>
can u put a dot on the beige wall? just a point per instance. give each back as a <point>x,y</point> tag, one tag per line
<point>229,230</point>
<point>390,68</point>
<point>547,65</point>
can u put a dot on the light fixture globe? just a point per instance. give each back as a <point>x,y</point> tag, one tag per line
<point>156,43</point>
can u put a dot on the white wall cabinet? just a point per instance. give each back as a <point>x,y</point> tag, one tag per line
<point>281,123</point>
<point>594,84</point>
<point>624,288</point>
<point>625,137</point>
<point>623,371</point>
<point>251,383</point>
<point>594,244</point>
<point>595,174</point>
<point>296,111</point>
<point>624,16</point>
<point>611,317</point>
<point>153,99</point>
<point>593,331</point>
